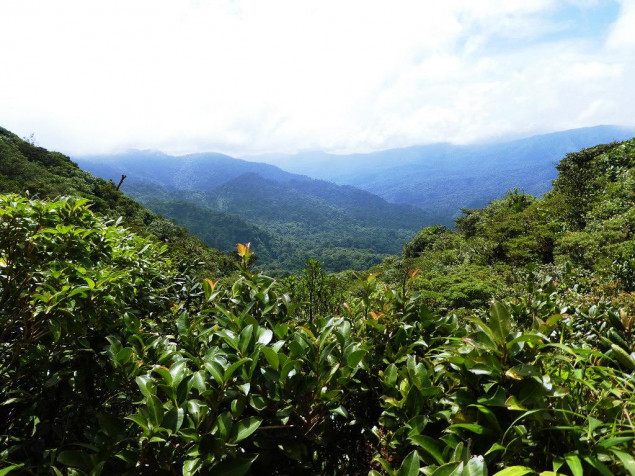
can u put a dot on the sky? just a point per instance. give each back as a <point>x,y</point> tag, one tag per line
<point>280,76</point>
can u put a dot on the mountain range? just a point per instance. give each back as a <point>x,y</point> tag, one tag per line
<point>443,178</point>
<point>288,218</point>
<point>348,211</point>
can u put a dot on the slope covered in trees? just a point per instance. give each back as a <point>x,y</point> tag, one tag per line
<point>291,217</point>
<point>25,167</point>
<point>505,347</point>
<point>443,178</point>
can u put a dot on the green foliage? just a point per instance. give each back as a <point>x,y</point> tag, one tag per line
<point>424,240</point>
<point>112,361</point>
<point>507,347</point>
<point>25,168</point>
<point>287,219</point>
<point>68,280</point>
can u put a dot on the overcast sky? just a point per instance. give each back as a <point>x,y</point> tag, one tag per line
<point>256,76</point>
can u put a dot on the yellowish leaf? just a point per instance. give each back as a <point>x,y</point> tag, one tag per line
<point>243,249</point>
<point>212,284</point>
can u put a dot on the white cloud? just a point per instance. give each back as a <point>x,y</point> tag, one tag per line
<point>252,76</point>
<point>622,33</point>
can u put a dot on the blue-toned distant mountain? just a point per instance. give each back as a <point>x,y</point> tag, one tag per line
<point>443,178</point>
<point>288,217</point>
<point>196,172</point>
<point>363,207</point>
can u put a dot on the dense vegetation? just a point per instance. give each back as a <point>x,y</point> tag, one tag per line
<point>504,347</point>
<point>289,218</point>
<point>25,167</point>
<point>443,178</point>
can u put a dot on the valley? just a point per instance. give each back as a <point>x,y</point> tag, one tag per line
<point>496,347</point>
<point>382,198</point>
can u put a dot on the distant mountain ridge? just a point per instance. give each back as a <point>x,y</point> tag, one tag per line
<point>288,217</point>
<point>443,178</point>
<point>203,171</point>
<point>371,204</point>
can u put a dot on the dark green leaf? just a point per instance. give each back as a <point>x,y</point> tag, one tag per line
<point>244,428</point>
<point>410,465</point>
<point>236,467</point>
<point>430,445</point>
<point>500,322</point>
<point>155,410</point>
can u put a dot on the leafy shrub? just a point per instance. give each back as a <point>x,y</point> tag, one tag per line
<point>117,359</point>
<point>424,240</point>
<point>68,280</point>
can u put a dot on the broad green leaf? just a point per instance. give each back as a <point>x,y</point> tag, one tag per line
<point>271,356</point>
<point>233,367</point>
<point>198,381</point>
<point>173,420</point>
<point>486,329</point>
<point>155,410</point>
<point>490,416</point>
<point>522,371</point>
<point>623,357</point>
<point>449,469</point>
<point>139,420</point>
<point>430,445</point>
<point>258,402</point>
<point>500,322</point>
<point>265,336</point>
<point>472,427</point>
<point>513,404</point>
<point>287,368</point>
<point>178,371</point>
<point>56,331</point>
<point>224,424</point>
<point>475,467</point>
<point>208,287</point>
<point>553,320</point>
<point>191,466</point>
<point>390,375</point>
<point>340,411</point>
<point>124,355</point>
<point>515,471</point>
<point>607,443</point>
<point>354,358</point>
<point>216,371</point>
<point>574,463</point>
<point>495,448</point>
<point>244,339</point>
<point>598,465</point>
<point>627,460</point>
<point>79,290</point>
<point>8,469</point>
<point>165,374</point>
<point>410,465</point>
<point>146,385</point>
<point>244,428</point>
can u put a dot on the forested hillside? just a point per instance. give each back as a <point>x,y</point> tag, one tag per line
<point>504,347</point>
<point>25,167</point>
<point>443,178</point>
<point>195,172</point>
<point>289,218</point>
